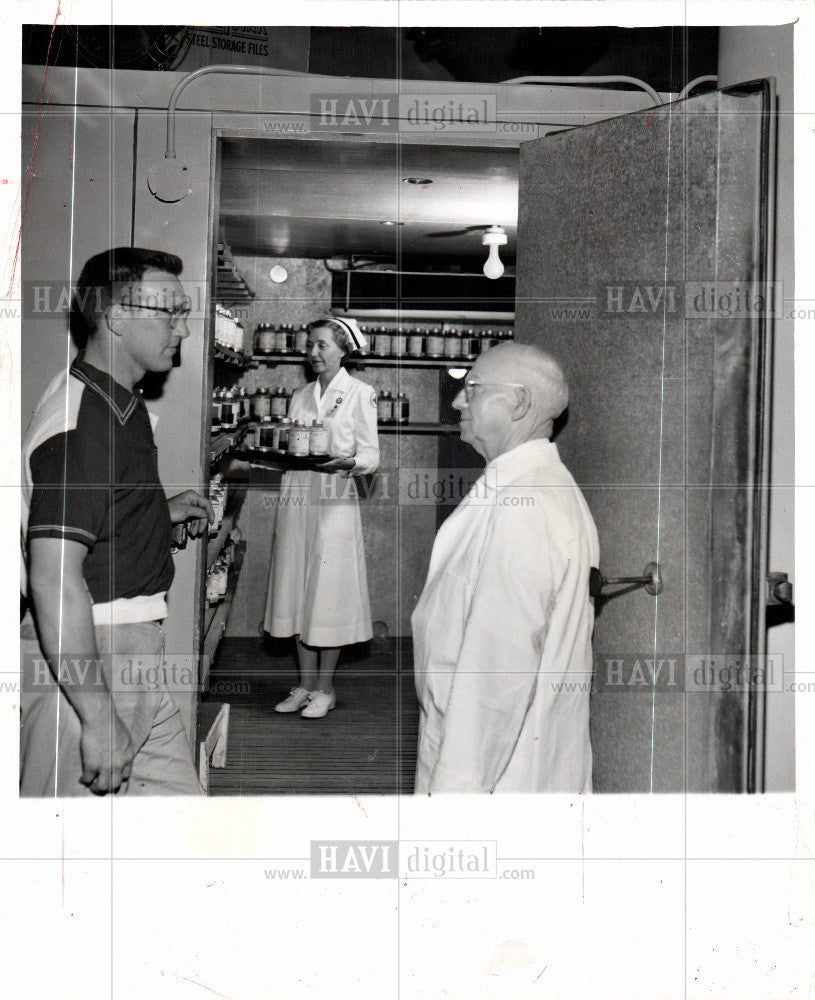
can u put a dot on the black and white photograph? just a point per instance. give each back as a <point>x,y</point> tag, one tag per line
<point>403,420</point>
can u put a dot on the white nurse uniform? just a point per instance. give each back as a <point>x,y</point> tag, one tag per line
<point>318,587</point>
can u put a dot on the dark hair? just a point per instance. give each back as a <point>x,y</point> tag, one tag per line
<point>107,274</point>
<point>341,336</point>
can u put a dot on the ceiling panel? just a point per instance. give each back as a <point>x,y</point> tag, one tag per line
<point>319,198</point>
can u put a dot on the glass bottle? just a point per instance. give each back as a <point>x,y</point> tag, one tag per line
<point>299,436</point>
<point>265,434</point>
<point>469,344</point>
<point>216,411</point>
<point>383,343</point>
<point>284,429</point>
<point>486,340</point>
<point>435,343</point>
<point>279,402</point>
<point>416,342</point>
<point>264,339</point>
<point>452,343</point>
<point>261,403</point>
<point>318,439</point>
<point>384,408</point>
<point>228,420</point>
<point>398,342</point>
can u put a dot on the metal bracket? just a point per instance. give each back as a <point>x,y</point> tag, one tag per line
<point>779,589</point>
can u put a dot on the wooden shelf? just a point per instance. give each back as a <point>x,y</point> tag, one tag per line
<point>363,362</point>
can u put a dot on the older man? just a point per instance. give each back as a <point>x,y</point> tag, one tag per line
<point>96,715</point>
<point>502,630</point>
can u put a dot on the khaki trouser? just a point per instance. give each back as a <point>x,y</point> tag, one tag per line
<point>131,657</point>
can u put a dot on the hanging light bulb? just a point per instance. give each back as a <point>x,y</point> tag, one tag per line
<point>493,238</point>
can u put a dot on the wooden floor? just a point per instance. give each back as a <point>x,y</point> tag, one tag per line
<point>367,744</point>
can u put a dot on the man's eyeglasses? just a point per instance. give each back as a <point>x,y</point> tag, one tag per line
<point>176,315</point>
<point>471,383</point>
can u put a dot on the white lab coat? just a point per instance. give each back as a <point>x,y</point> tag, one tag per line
<point>318,587</point>
<point>502,631</point>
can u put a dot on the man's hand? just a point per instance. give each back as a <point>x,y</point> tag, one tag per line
<point>106,750</point>
<point>193,508</point>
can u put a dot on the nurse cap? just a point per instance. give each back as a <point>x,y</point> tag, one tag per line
<point>351,327</point>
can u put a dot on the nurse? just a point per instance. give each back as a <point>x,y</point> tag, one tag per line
<point>318,587</point>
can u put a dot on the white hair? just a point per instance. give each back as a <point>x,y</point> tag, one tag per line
<point>540,372</point>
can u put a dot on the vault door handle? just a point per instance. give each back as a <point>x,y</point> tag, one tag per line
<point>651,580</point>
<point>779,589</point>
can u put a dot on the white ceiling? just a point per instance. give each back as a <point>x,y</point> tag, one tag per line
<point>306,198</point>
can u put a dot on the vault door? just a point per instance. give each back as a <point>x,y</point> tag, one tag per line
<point>642,251</point>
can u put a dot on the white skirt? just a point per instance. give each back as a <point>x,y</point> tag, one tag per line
<point>318,587</point>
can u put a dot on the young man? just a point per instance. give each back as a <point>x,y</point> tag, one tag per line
<point>502,630</point>
<point>96,716</point>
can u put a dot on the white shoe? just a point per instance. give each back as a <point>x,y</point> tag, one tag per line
<point>297,698</point>
<point>319,704</point>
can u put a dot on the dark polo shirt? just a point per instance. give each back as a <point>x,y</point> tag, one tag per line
<point>93,474</point>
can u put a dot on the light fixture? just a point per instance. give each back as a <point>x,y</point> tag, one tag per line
<point>493,238</point>
<point>457,373</point>
<point>416,180</point>
<point>278,274</point>
<point>391,222</point>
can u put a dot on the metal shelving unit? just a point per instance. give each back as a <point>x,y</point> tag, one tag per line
<point>215,616</point>
<point>230,357</point>
<point>224,440</point>
<point>230,285</point>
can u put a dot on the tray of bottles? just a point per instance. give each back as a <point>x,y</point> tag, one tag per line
<point>274,458</point>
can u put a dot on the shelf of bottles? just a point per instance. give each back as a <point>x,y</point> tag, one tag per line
<point>236,410</point>
<point>222,582</point>
<point>231,411</point>
<point>392,343</point>
<point>230,338</point>
<point>223,540</point>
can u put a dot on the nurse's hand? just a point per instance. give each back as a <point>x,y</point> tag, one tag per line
<point>336,465</point>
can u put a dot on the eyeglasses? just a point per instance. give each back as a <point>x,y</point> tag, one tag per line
<point>176,315</point>
<point>471,383</point>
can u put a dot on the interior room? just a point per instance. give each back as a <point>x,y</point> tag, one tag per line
<point>406,260</point>
<point>575,221</point>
